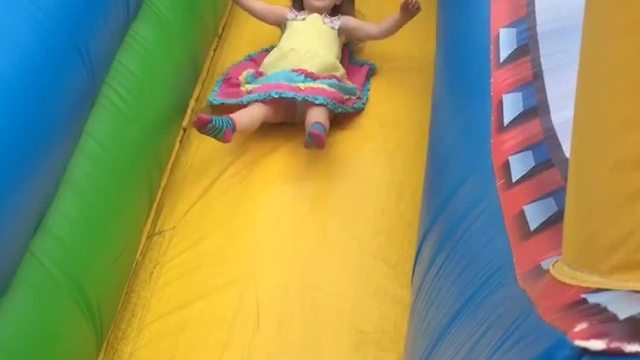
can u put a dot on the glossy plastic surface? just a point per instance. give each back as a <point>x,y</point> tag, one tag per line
<point>67,290</point>
<point>263,250</point>
<point>54,56</point>
<point>467,303</point>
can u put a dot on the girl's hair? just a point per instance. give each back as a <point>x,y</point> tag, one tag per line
<point>347,7</point>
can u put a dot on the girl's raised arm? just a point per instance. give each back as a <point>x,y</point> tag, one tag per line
<point>358,30</point>
<point>270,14</point>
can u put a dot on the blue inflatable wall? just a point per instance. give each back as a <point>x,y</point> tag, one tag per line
<point>467,303</point>
<point>54,56</point>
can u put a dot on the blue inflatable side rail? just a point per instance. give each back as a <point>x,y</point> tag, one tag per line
<point>467,303</point>
<point>54,57</point>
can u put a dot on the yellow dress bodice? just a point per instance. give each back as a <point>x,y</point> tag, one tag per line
<point>309,41</point>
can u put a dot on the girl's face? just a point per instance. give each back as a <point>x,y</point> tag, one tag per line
<point>321,6</point>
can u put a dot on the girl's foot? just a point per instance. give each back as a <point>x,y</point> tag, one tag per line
<point>316,137</point>
<point>220,128</point>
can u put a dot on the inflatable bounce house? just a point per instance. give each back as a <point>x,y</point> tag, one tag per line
<point>484,205</point>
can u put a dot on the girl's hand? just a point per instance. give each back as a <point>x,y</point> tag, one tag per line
<point>358,30</point>
<point>409,9</point>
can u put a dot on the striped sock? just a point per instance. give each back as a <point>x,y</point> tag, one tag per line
<point>220,128</point>
<point>316,137</point>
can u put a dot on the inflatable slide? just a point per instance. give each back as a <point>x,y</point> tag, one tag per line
<point>484,205</point>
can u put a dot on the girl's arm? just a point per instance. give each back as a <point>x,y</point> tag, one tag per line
<point>270,14</point>
<point>358,30</point>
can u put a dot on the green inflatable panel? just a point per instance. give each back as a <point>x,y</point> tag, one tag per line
<point>67,290</point>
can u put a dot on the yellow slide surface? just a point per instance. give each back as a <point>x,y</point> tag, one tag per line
<point>263,250</point>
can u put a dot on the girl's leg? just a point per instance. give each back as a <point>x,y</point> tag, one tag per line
<point>247,119</point>
<point>317,122</point>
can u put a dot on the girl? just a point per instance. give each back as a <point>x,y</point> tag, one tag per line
<point>309,76</point>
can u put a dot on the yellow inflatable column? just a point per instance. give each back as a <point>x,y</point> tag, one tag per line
<point>601,246</point>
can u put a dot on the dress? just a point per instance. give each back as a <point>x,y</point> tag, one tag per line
<point>309,64</point>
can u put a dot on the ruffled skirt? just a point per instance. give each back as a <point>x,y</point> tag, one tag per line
<point>244,83</point>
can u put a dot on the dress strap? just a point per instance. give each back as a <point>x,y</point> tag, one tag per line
<point>296,15</point>
<point>333,22</point>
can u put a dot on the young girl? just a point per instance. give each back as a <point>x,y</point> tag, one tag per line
<point>309,76</point>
